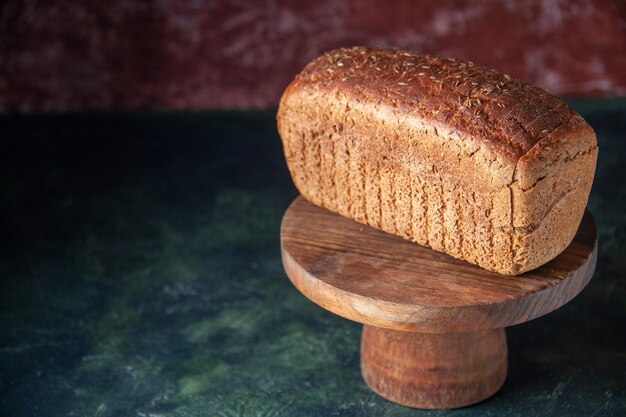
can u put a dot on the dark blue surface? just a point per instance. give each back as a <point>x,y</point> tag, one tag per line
<point>140,275</point>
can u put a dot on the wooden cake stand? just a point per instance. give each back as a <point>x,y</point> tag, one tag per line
<point>433,334</point>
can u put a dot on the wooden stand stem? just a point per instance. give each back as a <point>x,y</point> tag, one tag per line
<point>446,370</point>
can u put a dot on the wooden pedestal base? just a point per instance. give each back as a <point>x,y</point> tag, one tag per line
<point>434,325</point>
<point>424,370</point>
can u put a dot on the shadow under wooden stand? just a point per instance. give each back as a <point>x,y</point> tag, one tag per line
<point>433,334</point>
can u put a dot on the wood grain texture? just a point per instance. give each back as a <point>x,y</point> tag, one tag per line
<point>382,280</point>
<point>434,370</point>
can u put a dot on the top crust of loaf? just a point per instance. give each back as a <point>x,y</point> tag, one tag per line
<point>480,105</point>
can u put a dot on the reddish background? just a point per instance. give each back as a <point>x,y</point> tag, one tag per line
<point>73,55</point>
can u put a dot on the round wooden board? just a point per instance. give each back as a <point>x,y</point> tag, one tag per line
<point>378,279</point>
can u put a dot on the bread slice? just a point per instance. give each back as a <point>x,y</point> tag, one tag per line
<point>448,154</point>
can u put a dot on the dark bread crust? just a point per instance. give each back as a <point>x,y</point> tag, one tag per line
<point>510,115</point>
<point>450,155</point>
